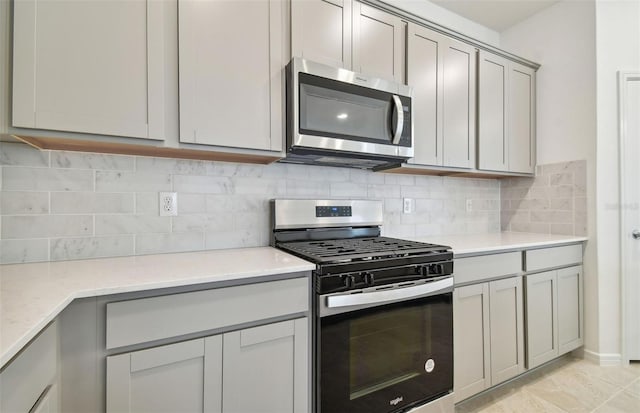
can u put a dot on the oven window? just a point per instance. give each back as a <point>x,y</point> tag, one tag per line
<point>386,348</point>
<point>386,358</point>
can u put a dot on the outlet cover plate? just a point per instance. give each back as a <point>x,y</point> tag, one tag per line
<point>168,204</point>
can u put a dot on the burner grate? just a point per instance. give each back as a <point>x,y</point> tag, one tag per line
<point>359,248</point>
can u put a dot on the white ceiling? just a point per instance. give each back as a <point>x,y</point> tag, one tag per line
<point>495,14</point>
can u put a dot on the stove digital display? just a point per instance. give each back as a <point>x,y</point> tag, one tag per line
<point>333,211</point>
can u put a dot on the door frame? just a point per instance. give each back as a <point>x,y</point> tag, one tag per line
<point>629,305</point>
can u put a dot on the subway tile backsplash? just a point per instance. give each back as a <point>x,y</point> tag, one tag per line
<point>554,202</point>
<point>57,205</point>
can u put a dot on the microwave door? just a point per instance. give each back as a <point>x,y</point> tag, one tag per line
<point>344,115</point>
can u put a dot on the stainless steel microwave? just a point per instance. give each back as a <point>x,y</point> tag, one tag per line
<point>342,118</point>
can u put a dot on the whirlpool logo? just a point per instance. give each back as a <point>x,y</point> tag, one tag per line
<point>395,401</point>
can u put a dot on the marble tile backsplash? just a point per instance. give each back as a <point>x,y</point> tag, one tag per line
<point>57,205</point>
<point>554,202</point>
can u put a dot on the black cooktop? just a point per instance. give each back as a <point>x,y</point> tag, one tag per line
<point>360,249</point>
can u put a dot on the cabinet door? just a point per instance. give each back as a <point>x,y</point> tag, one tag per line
<point>48,402</point>
<point>94,66</point>
<point>265,369</point>
<point>471,340</point>
<point>231,73</point>
<point>570,309</point>
<point>492,112</point>
<point>542,328</point>
<point>378,43</point>
<point>458,104</point>
<point>507,329</point>
<point>321,31</point>
<point>424,74</point>
<point>184,377</point>
<point>521,118</point>
<point>32,374</point>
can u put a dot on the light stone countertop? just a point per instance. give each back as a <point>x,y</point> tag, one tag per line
<point>477,244</point>
<point>32,295</point>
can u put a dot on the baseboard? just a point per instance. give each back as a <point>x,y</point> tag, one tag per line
<point>603,359</point>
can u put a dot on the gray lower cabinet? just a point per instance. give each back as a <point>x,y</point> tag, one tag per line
<point>183,377</point>
<point>554,311</point>
<point>28,384</point>
<point>507,329</point>
<point>48,402</point>
<point>488,335</point>
<point>471,340</point>
<point>264,367</point>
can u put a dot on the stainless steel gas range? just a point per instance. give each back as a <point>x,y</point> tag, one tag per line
<point>382,313</point>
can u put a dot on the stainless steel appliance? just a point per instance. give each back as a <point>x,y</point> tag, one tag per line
<point>383,316</point>
<point>342,118</point>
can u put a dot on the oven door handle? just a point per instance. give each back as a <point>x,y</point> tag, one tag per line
<point>385,296</point>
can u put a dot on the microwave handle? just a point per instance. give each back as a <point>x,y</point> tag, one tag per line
<point>397,134</point>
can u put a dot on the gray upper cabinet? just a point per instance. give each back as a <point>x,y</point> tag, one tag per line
<point>350,35</point>
<point>321,31</point>
<point>506,123</point>
<point>378,43</point>
<point>492,112</point>
<point>442,72</point>
<point>522,120</point>
<point>230,73</point>
<point>95,67</point>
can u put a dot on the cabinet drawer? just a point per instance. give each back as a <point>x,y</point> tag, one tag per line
<point>471,269</point>
<point>31,373</point>
<point>553,257</point>
<point>155,318</point>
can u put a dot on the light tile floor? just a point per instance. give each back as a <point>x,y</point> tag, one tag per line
<point>566,385</point>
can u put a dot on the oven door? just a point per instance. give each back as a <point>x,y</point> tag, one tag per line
<point>384,350</point>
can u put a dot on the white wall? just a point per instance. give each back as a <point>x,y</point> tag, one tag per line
<point>617,48</point>
<point>448,19</point>
<point>581,46</point>
<point>562,39</point>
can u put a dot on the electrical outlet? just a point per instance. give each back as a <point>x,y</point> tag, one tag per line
<point>407,205</point>
<point>469,205</point>
<point>168,204</point>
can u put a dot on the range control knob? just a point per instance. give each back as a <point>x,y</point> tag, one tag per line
<point>368,278</point>
<point>436,269</point>
<point>349,281</point>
